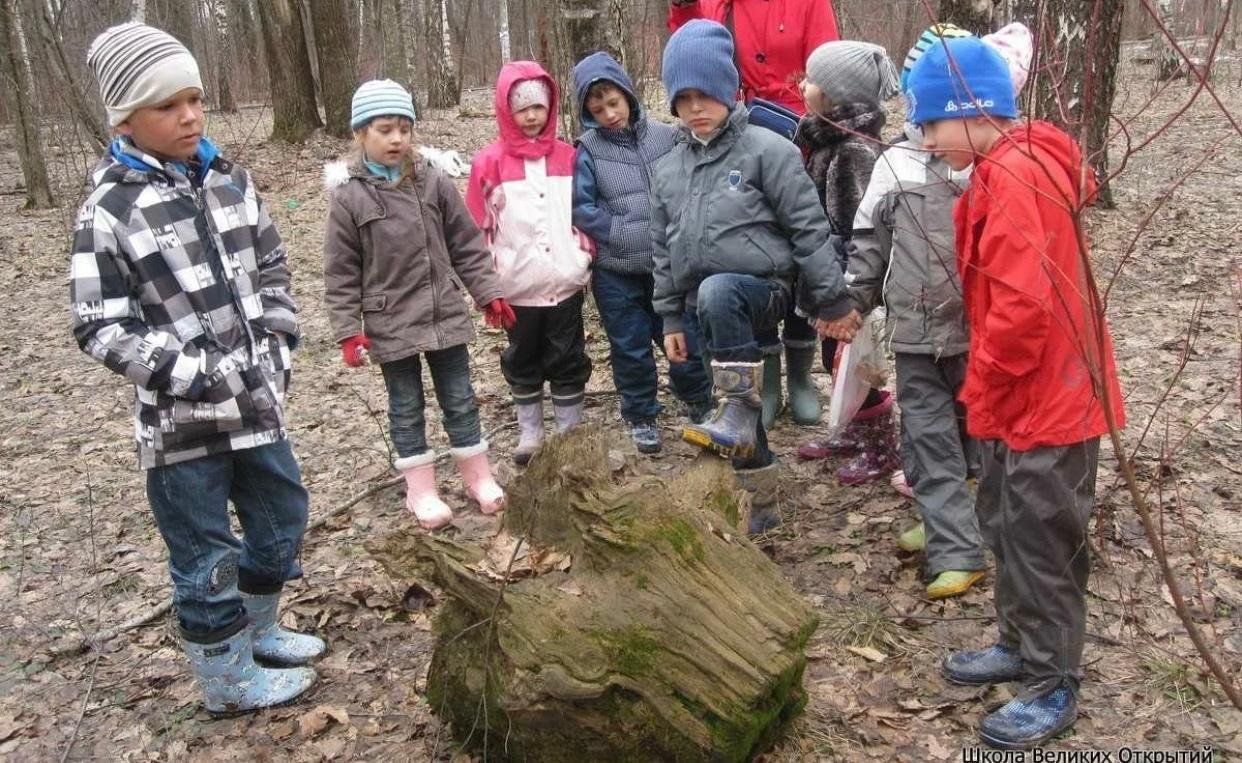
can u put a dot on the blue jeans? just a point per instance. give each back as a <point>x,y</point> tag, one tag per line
<point>450,374</point>
<point>734,309</point>
<point>796,332</point>
<point>630,320</point>
<point>208,564</point>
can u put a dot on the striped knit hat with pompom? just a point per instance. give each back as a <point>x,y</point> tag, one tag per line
<point>137,66</point>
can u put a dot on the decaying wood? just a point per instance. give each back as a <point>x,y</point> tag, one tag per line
<point>633,621</point>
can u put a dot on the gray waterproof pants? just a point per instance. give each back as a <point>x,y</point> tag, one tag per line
<point>1033,508</point>
<point>937,456</point>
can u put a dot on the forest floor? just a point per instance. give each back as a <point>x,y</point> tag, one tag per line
<point>79,553</point>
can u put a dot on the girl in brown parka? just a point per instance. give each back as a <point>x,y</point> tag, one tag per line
<point>398,249</point>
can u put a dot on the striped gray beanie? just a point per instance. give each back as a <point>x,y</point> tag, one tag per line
<point>137,65</point>
<point>852,72</point>
<point>380,98</point>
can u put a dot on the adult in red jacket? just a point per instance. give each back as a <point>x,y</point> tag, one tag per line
<point>773,39</point>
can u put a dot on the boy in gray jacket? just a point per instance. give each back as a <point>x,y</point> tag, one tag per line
<point>734,217</point>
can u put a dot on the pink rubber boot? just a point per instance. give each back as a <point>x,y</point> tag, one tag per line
<point>420,491</point>
<point>476,472</point>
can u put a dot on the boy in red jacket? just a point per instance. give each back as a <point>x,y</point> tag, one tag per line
<point>1038,379</point>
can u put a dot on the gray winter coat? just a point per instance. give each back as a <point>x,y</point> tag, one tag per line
<point>741,204</point>
<point>396,258</point>
<point>902,253</point>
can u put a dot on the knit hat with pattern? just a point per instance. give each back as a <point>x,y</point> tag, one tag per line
<point>137,66</point>
<point>527,93</point>
<point>379,98</point>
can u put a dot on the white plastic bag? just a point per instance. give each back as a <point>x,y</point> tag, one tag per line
<point>860,365</point>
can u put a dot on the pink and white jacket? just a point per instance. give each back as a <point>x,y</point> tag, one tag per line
<point>521,196</point>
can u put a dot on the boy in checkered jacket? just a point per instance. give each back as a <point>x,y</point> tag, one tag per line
<point>179,283</point>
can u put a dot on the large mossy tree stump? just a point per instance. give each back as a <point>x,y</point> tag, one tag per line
<point>644,626</point>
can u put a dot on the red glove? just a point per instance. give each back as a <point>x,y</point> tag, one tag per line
<point>354,350</point>
<point>499,315</point>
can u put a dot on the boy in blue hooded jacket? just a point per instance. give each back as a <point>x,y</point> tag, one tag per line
<point>612,181</point>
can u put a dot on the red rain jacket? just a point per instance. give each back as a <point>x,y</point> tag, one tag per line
<point>1033,337</point>
<point>773,38</point>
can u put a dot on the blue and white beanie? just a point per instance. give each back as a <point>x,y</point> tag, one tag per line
<point>960,78</point>
<point>380,98</point>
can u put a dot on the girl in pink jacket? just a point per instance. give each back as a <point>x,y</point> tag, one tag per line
<point>521,194</point>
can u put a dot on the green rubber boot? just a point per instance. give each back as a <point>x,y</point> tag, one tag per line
<point>803,396</point>
<point>772,402</point>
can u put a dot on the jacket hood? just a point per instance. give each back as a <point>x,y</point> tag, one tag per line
<point>352,165</point>
<point>1049,141</point>
<point>511,135</point>
<point>599,67</point>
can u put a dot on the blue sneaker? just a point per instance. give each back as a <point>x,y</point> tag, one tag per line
<point>646,436</point>
<point>1024,724</point>
<point>976,667</point>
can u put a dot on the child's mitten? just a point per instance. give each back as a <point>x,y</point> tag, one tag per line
<point>354,350</point>
<point>498,314</point>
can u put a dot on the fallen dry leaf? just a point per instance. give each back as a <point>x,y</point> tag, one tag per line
<point>868,653</point>
<point>315,721</point>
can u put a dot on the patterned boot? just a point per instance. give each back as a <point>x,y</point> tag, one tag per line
<point>273,643</point>
<point>233,684</point>
<point>731,430</point>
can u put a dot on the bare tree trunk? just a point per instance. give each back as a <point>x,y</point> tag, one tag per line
<point>973,15</point>
<point>392,64</point>
<point>19,89</point>
<point>443,89</point>
<point>337,49</point>
<point>1074,71</point>
<point>175,17</point>
<point>224,24</point>
<point>85,109</point>
<point>506,52</point>
<point>294,111</point>
<point>1168,63</point>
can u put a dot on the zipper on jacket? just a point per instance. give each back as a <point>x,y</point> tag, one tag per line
<point>431,264</point>
<point>200,201</point>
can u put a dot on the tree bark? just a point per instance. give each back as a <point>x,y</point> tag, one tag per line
<point>973,15</point>
<point>295,114</point>
<point>224,24</point>
<point>336,45</point>
<point>612,619</point>
<point>443,87</point>
<point>506,50</point>
<point>86,110</point>
<point>1073,74</point>
<point>19,90</point>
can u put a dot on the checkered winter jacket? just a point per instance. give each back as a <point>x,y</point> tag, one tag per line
<point>178,281</point>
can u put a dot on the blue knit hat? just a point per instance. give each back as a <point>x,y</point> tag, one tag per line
<point>699,56</point>
<point>959,78</point>
<point>380,98</point>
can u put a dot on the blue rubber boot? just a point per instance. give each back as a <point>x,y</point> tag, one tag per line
<point>1023,724</point>
<point>233,684</point>
<point>731,430</point>
<point>273,643</point>
<point>976,667</point>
